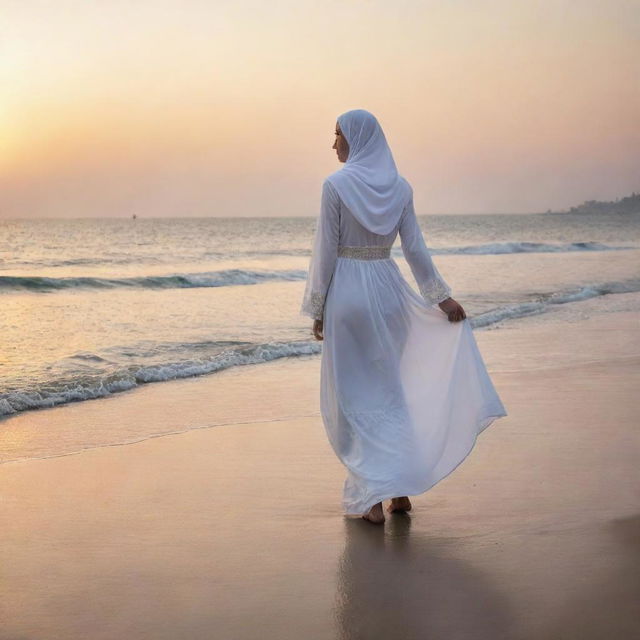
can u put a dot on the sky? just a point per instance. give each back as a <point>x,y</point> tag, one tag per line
<point>227,108</point>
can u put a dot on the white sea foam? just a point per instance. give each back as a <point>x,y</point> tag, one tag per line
<point>95,386</point>
<point>497,248</point>
<point>225,278</point>
<point>230,354</point>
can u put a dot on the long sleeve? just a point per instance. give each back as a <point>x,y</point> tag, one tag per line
<point>324,255</point>
<point>431,284</point>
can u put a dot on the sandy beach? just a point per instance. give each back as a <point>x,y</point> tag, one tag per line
<point>231,526</point>
<point>186,187</point>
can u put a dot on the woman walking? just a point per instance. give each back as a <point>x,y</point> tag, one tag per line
<point>404,389</point>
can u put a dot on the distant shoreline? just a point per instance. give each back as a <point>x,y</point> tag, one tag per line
<point>628,205</point>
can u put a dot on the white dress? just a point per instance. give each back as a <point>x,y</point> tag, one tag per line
<point>404,391</point>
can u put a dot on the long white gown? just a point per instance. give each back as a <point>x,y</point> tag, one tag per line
<point>404,391</point>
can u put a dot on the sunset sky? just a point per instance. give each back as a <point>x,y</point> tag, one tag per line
<point>227,108</point>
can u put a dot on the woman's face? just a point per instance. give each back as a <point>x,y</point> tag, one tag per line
<point>341,145</point>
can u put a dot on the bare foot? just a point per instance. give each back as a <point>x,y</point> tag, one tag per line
<point>375,515</point>
<point>399,504</point>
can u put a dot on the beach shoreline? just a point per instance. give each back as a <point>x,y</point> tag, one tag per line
<point>277,390</point>
<point>236,530</point>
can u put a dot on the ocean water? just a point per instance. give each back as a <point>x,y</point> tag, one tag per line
<point>91,308</point>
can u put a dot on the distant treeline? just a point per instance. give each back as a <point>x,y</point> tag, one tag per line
<point>630,204</point>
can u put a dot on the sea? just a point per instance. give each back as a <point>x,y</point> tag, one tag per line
<point>95,307</point>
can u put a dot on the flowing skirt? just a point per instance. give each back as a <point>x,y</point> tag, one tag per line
<point>403,391</point>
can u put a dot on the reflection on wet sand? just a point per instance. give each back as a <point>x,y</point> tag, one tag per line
<point>394,584</point>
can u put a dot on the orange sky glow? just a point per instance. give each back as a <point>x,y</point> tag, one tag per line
<point>221,108</point>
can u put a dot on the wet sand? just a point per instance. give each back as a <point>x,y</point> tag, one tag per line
<point>236,532</point>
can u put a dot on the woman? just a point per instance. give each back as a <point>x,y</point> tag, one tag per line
<point>404,390</point>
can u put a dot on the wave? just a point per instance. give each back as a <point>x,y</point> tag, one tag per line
<point>511,312</point>
<point>138,259</point>
<point>99,385</point>
<point>228,277</point>
<point>79,262</point>
<point>494,248</point>
<point>213,356</point>
<point>498,248</point>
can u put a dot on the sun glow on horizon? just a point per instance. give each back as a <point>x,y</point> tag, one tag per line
<point>488,106</point>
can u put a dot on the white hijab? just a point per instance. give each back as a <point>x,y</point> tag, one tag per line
<point>369,183</point>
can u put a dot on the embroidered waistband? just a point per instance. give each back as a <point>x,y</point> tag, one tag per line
<point>364,253</point>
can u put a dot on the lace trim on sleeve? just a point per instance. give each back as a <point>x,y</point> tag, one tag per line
<point>313,305</point>
<point>434,290</point>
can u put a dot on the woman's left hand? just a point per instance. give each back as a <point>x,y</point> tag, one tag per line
<point>317,329</point>
<point>453,309</point>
